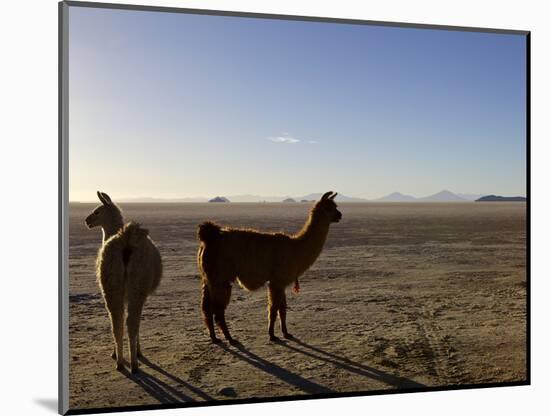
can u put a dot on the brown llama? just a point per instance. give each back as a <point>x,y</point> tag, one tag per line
<point>128,269</point>
<point>254,258</point>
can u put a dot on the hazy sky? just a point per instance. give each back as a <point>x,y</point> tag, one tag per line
<point>175,105</point>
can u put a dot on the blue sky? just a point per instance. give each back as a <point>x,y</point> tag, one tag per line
<point>175,105</point>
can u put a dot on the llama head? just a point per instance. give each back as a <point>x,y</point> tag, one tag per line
<point>327,209</point>
<point>107,215</point>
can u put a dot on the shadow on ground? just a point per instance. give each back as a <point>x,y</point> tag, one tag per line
<point>181,391</point>
<point>281,373</point>
<point>159,389</point>
<point>351,366</point>
<point>316,353</point>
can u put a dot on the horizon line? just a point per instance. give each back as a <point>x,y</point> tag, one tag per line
<point>261,198</point>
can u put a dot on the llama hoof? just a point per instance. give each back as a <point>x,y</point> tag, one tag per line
<point>215,340</point>
<point>119,367</point>
<point>135,370</point>
<point>273,338</point>
<point>288,336</point>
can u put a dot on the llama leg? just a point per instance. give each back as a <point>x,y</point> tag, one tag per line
<point>219,316</point>
<point>135,306</point>
<point>274,295</point>
<point>207,313</point>
<point>139,354</point>
<point>116,314</point>
<point>272,317</point>
<point>282,316</point>
<point>220,302</point>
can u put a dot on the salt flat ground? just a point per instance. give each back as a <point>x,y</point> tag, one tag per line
<point>403,295</point>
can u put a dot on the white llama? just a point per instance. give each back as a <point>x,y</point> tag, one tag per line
<point>129,268</point>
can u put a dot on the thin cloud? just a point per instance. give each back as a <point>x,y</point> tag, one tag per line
<point>312,141</point>
<point>284,139</point>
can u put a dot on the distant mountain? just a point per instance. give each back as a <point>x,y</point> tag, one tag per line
<point>442,196</point>
<point>244,198</point>
<point>339,198</point>
<point>289,200</point>
<point>498,198</point>
<point>161,200</point>
<point>219,199</point>
<point>397,197</point>
<point>255,198</point>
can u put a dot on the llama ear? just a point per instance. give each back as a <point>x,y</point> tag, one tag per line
<point>104,198</point>
<point>107,198</point>
<point>333,195</point>
<point>326,195</point>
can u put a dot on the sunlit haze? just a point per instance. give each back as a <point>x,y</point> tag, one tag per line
<point>173,105</point>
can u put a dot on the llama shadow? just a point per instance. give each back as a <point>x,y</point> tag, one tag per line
<point>160,390</point>
<point>176,379</point>
<point>281,373</point>
<point>352,366</point>
<point>157,388</point>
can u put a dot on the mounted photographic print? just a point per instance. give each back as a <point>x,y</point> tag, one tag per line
<point>264,207</point>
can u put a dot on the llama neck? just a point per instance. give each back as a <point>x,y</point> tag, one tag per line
<point>112,228</point>
<point>310,240</point>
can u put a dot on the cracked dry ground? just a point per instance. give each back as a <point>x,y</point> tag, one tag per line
<point>403,295</point>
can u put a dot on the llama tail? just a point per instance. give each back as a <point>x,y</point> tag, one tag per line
<point>133,234</point>
<point>208,232</point>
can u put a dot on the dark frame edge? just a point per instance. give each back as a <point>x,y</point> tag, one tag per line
<point>167,9</point>
<point>63,206</point>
